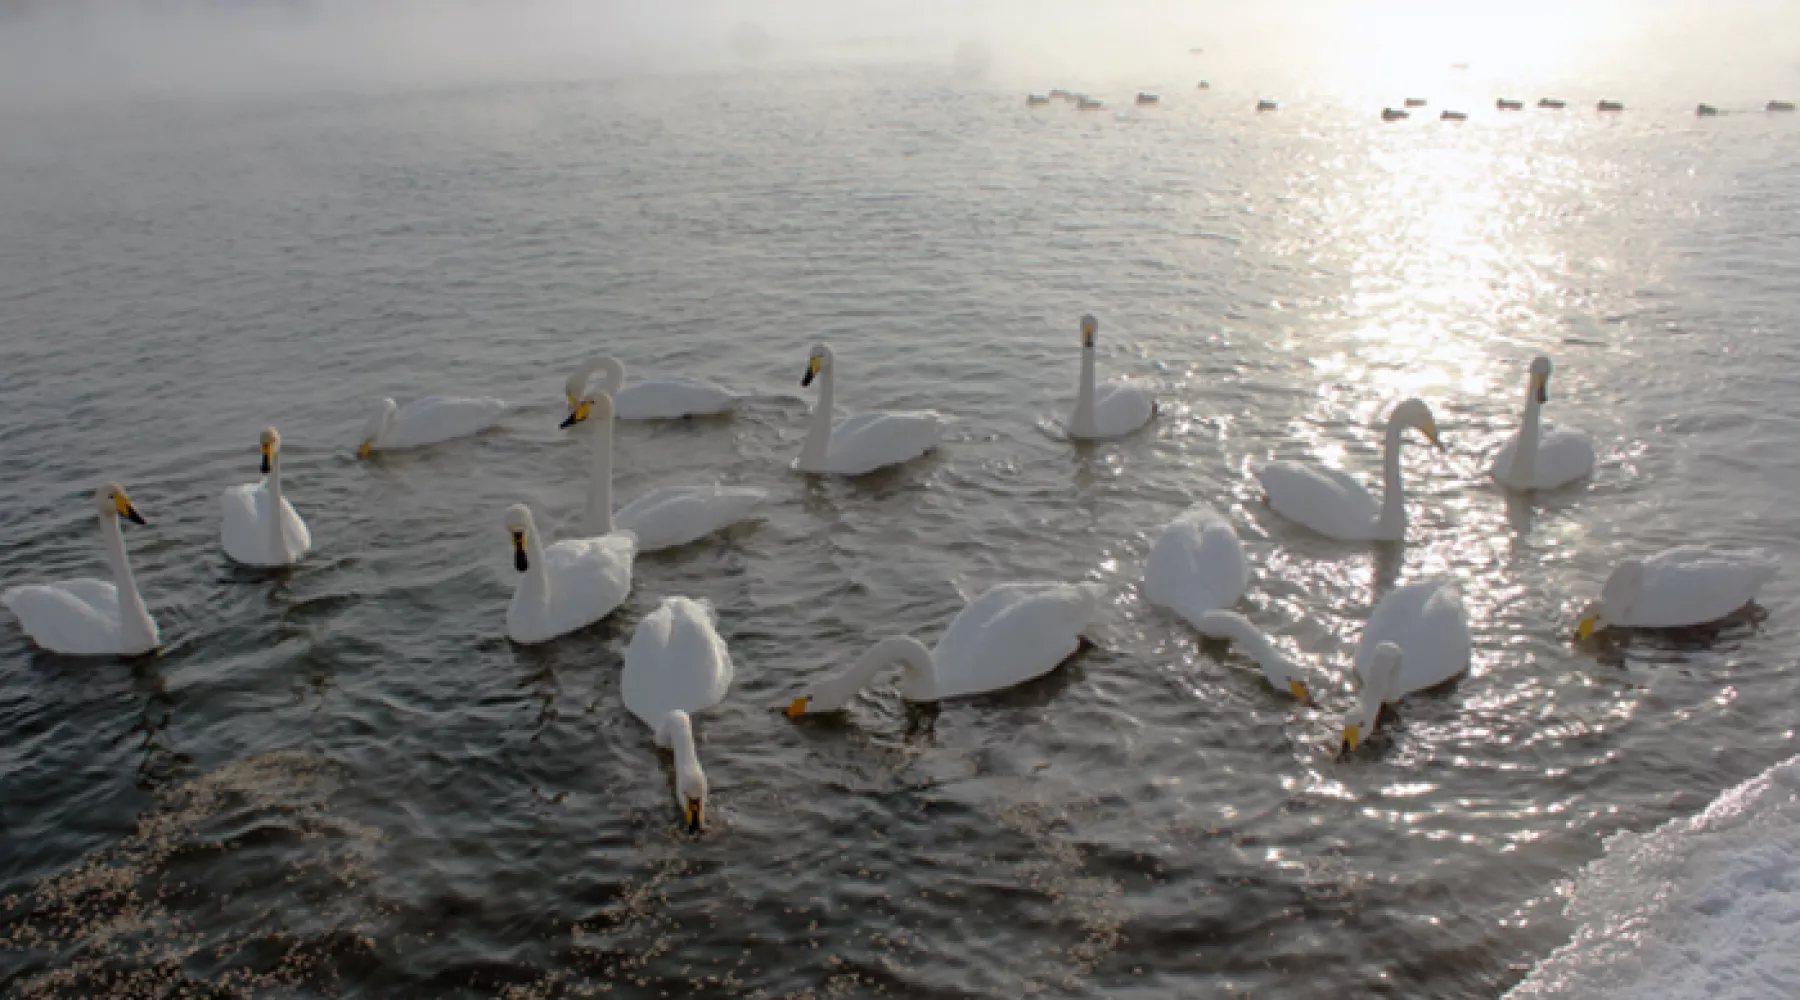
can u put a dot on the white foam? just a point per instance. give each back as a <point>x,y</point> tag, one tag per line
<point>1707,906</point>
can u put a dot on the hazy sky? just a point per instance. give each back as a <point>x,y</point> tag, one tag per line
<point>1733,48</point>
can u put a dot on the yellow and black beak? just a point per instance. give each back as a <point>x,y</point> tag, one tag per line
<point>268,452</point>
<point>362,452</point>
<point>812,372</point>
<point>579,413</point>
<point>1299,692</point>
<point>1352,737</point>
<point>1431,434</point>
<point>1586,629</point>
<point>520,562</point>
<point>1543,389</point>
<point>797,707</point>
<point>122,504</point>
<point>694,814</point>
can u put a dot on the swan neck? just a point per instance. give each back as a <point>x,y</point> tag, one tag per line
<point>1274,663</point>
<point>818,434</point>
<point>272,483</point>
<point>1524,468</point>
<point>600,501</point>
<point>1082,420</point>
<point>134,619</point>
<point>537,577</point>
<point>920,681</point>
<point>677,733</point>
<point>1393,498</point>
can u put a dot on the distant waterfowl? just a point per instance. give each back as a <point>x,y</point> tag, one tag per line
<point>1415,102</point>
<point>1282,673</point>
<point>660,519</point>
<point>1453,116</point>
<point>862,443</point>
<point>1779,106</point>
<point>1203,85</point>
<point>88,617</point>
<point>1505,104</point>
<point>666,398</point>
<point>1551,102</point>
<point>1426,625</point>
<point>677,666</point>
<point>1333,503</point>
<point>1146,98</point>
<point>1060,94</point>
<point>1109,410</point>
<point>1035,99</point>
<point>1013,633</point>
<point>1609,106</point>
<point>1197,565</point>
<point>1540,456</point>
<point>1089,104</point>
<point>1393,114</point>
<point>565,586</point>
<point>259,526</point>
<point>427,421</point>
<point>1686,585</point>
<point>1266,105</point>
<point>1705,111</point>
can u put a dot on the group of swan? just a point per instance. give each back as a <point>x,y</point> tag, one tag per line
<point>677,665</point>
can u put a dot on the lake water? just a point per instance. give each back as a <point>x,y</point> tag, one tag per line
<point>343,779</point>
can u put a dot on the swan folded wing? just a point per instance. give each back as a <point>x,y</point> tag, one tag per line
<point>1564,455</point>
<point>677,515</point>
<point>1326,500</point>
<point>868,441</point>
<point>1395,619</point>
<point>293,531</point>
<point>1197,565</point>
<point>589,577</point>
<point>1013,633</point>
<point>434,419</point>
<point>1501,467</point>
<point>676,661</point>
<point>74,617</point>
<point>1427,621</point>
<point>1689,585</point>
<point>1120,407</point>
<point>242,529</point>
<point>669,398</point>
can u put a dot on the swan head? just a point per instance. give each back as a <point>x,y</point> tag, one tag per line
<point>690,781</point>
<point>520,527</point>
<point>1621,591</point>
<point>817,363</point>
<point>613,373</point>
<point>1540,378</point>
<point>1382,681</point>
<point>110,498</point>
<point>1090,329</point>
<point>1415,414</point>
<point>593,406</point>
<point>271,443</point>
<point>379,422</point>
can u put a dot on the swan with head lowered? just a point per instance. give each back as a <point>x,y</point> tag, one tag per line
<point>1282,673</point>
<point>88,617</point>
<point>427,421</point>
<point>864,442</point>
<point>1197,565</point>
<point>1540,456</point>
<point>1332,502</point>
<point>1417,638</point>
<point>661,519</point>
<point>1109,410</point>
<point>565,586</point>
<point>675,667</point>
<point>667,398</point>
<point>1686,585</point>
<point>1013,633</point>
<point>259,526</point>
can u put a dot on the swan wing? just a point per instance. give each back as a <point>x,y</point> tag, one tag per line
<point>1121,407</point>
<point>441,418</point>
<point>241,528</point>
<point>73,617</point>
<point>1197,565</point>
<point>1501,467</point>
<point>1329,501</point>
<point>678,515</point>
<point>869,441</point>
<point>293,531</point>
<point>676,660</point>
<point>589,578</point>
<point>671,397</point>
<point>1427,621</point>
<point>1013,633</point>
<point>1564,455</point>
<point>1690,584</point>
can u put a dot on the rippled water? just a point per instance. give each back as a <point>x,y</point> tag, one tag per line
<point>344,777</point>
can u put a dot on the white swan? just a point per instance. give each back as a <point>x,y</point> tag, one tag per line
<point>1196,565</point>
<point>88,617</point>
<point>1427,624</point>
<point>1542,457</point>
<point>1011,634</point>
<point>1332,502</point>
<point>567,586</point>
<point>1379,686</point>
<point>260,527</point>
<point>1110,410</point>
<point>426,421</point>
<point>665,398</point>
<point>865,442</point>
<point>1284,674</point>
<point>1686,585</point>
<point>675,666</point>
<point>663,518</point>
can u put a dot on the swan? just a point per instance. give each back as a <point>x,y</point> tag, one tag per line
<point>865,442</point>
<point>426,421</point>
<point>1686,585</point>
<point>1426,624</point>
<point>1196,565</point>
<point>665,398</point>
<point>1332,503</point>
<point>260,527</point>
<point>1282,672</point>
<point>1542,458</point>
<point>1011,634</point>
<point>675,666</point>
<point>1378,685</point>
<point>567,586</point>
<point>663,518</point>
<point>1110,410</point>
<point>87,617</point>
